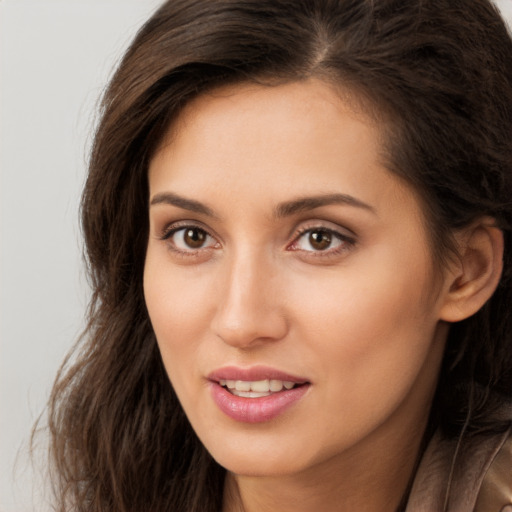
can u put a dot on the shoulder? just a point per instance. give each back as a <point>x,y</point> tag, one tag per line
<point>496,490</point>
<point>473,475</point>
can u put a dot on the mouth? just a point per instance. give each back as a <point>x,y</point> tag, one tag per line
<point>257,394</point>
<point>257,388</point>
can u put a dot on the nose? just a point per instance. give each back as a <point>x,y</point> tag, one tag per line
<point>250,311</point>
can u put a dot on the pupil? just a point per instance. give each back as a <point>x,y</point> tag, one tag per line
<point>195,238</point>
<point>320,239</point>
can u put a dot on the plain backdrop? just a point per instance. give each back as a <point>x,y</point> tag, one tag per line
<point>55,58</point>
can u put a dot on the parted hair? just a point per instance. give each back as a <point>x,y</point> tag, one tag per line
<point>438,76</point>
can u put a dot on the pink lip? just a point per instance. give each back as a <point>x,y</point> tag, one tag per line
<point>255,410</point>
<point>254,373</point>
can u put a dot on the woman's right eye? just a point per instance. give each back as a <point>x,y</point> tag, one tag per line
<point>189,239</point>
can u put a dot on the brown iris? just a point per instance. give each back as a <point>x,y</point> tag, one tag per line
<point>194,237</point>
<point>320,240</point>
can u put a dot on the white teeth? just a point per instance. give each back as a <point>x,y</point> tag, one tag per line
<point>261,386</point>
<point>254,389</point>
<point>276,385</point>
<point>243,385</point>
<point>250,394</point>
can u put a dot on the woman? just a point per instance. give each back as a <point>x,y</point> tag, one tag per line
<point>298,227</point>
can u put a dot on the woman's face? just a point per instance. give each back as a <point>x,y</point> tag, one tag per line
<point>282,253</point>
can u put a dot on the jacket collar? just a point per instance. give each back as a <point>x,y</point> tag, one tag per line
<point>451,473</point>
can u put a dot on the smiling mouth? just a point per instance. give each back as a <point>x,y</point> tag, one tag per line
<point>258,388</point>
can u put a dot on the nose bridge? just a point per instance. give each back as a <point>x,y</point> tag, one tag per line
<point>248,309</point>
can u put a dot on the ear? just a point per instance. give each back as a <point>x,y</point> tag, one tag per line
<point>474,276</point>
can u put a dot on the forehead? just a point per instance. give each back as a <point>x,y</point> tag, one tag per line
<point>294,139</point>
<point>248,125</point>
<point>250,104</point>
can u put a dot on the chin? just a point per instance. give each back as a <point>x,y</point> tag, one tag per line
<point>257,458</point>
<point>258,466</point>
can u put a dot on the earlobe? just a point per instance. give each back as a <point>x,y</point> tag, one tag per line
<point>476,273</point>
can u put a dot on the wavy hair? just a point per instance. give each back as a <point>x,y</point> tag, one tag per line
<point>438,73</point>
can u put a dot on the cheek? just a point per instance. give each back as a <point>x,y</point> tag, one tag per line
<point>369,359</point>
<point>374,324</point>
<point>175,305</point>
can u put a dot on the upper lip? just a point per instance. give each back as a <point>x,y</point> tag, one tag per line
<point>254,373</point>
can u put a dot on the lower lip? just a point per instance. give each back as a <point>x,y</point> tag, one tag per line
<point>255,410</point>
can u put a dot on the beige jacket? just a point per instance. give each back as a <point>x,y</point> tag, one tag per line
<point>479,481</point>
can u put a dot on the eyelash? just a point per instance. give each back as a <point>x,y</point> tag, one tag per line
<point>346,242</point>
<point>171,230</point>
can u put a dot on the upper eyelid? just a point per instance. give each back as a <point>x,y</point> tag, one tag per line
<point>346,236</point>
<point>337,234</point>
<point>318,224</point>
<point>172,227</point>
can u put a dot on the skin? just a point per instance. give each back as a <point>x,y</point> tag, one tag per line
<point>361,320</point>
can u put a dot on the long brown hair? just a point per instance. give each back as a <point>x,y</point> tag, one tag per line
<point>439,75</point>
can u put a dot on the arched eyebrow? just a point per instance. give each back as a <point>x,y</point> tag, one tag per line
<point>284,209</point>
<point>303,204</point>
<point>182,202</point>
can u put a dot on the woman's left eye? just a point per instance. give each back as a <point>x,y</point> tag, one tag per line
<point>321,240</point>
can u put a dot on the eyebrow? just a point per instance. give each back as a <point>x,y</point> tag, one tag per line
<point>284,209</point>
<point>182,202</point>
<point>303,204</point>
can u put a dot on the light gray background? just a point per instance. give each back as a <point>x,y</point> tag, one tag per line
<point>55,58</point>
